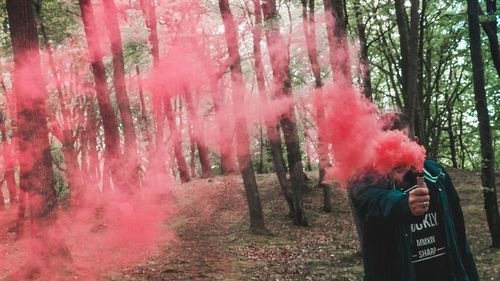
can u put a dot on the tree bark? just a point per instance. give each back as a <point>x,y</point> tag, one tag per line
<point>487,152</point>
<point>273,134</point>
<point>310,34</point>
<point>176,141</point>
<point>109,122</point>
<point>283,89</point>
<point>449,129</point>
<point>197,130</point>
<point>9,162</point>
<point>409,42</point>
<point>73,173</point>
<point>228,163</point>
<point>243,147</point>
<point>130,178</point>
<point>35,162</point>
<point>490,28</point>
<point>364,60</point>
<point>336,24</point>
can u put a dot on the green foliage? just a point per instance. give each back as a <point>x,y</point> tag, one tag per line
<point>60,183</point>
<point>61,19</point>
<point>446,77</point>
<point>5,43</point>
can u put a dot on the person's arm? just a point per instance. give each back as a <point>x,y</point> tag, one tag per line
<point>458,220</point>
<point>375,202</point>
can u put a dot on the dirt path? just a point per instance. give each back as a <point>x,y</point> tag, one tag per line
<point>198,252</point>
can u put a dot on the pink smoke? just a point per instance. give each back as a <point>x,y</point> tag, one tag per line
<point>353,127</point>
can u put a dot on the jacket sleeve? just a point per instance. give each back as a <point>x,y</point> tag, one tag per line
<point>374,202</point>
<point>458,220</point>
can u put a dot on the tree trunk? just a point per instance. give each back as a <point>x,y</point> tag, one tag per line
<point>461,140</point>
<point>109,122</point>
<point>9,162</point>
<point>273,134</point>
<point>487,152</point>
<point>226,149</point>
<point>243,147</point>
<point>73,174</point>
<point>149,11</point>
<point>197,130</point>
<point>408,36</point>
<point>144,110</point>
<point>36,175</point>
<point>310,34</point>
<point>449,128</point>
<point>130,176</point>
<point>364,60</point>
<point>309,28</point>
<point>176,138</point>
<point>490,28</point>
<point>260,166</point>
<point>336,24</point>
<point>283,89</point>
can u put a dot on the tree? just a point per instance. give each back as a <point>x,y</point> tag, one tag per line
<point>35,162</point>
<point>63,132</point>
<point>487,152</point>
<point>409,44</point>
<point>176,139</point>
<point>109,122</point>
<point>336,23</point>
<point>364,60</point>
<point>197,133</point>
<point>283,89</point>
<point>308,25</point>
<point>130,160</point>
<point>273,132</point>
<point>490,28</point>
<point>9,158</point>
<point>242,147</point>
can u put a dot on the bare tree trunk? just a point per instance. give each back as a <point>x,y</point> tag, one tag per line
<point>9,162</point>
<point>149,11</point>
<point>109,122</point>
<point>36,175</point>
<point>487,152</point>
<point>176,141</point>
<point>73,174</point>
<point>421,112</point>
<point>336,26</point>
<point>408,35</point>
<point>273,134</point>
<point>260,167</point>
<point>227,160</point>
<point>197,129</point>
<point>92,126</point>
<point>130,178</point>
<point>283,89</point>
<point>449,129</point>
<point>243,147</point>
<point>310,34</point>
<point>144,110</point>
<point>192,152</point>
<point>490,28</point>
<point>309,28</point>
<point>364,60</point>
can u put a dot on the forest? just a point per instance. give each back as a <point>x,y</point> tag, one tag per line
<point>136,132</point>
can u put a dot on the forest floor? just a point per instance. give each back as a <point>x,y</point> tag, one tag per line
<point>213,241</point>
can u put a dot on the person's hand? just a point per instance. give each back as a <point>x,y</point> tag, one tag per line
<point>419,200</point>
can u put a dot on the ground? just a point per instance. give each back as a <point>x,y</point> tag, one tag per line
<point>213,241</point>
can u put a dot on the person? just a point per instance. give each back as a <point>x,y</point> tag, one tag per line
<point>412,226</point>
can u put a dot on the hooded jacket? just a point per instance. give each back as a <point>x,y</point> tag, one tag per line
<point>385,218</point>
